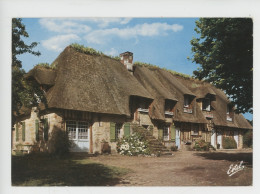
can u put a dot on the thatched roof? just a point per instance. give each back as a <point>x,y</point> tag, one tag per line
<point>42,75</point>
<point>92,83</point>
<point>219,104</point>
<point>150,80</point>
<point>97,83</point>
<point>204,91</point>
<point>163,85</point>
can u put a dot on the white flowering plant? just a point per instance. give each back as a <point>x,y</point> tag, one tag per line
<point>133,145</point>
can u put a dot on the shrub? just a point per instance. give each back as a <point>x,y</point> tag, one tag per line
<point>59,142</point>
<point>248,139</point>
<point>133,145</point>
<point>229,143</point>
<point>201,145</point>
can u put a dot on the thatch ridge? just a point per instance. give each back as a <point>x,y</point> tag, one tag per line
<point>91,51</point>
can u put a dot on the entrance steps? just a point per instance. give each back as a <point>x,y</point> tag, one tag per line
<point>156,147</point>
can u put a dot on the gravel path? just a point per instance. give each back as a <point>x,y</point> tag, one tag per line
<point>183,169</point>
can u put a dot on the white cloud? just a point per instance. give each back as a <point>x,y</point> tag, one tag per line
<point>57,43</point>
<point>74,25</point>
<point>62,25</point>
<point>112,52</point>
<point>104,22</point>
<point>154,29</point>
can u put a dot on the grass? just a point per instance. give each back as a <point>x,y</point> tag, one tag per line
<point>91,51</point>
<point>74,170</point>
<point>152,67</point>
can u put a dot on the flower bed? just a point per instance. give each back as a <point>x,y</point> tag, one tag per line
<point>133,145</point>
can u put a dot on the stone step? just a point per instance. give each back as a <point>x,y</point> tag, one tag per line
<point>154,144</point>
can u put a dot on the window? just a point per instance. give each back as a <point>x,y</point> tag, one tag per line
<point>206,104</point>
<point>143,106</point>
<point>168,107</point>
<point>195,130</point>
<point>77,130</point>
<point>117,130</point>
<point>186,101</point>
<point>228,110</point>
<point>166,133</point>
<point>71,129</point>
<point>229,113</point>
<point>187,104</point>
<point>82,130</point>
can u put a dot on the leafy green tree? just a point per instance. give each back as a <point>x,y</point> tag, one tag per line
<point>224,52</point>
<point>18,45</point>
<point>23,93</point>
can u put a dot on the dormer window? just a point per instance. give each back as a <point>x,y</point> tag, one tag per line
<point>168,107</point>
<point>186,101</point>
<point>143,107</point>
<point>187,108</point>
<point>229,113</point>
<point>206,104</point>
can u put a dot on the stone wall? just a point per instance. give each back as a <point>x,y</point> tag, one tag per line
<point>101,131</point>
<point>30,143</point>
<point>30,135</point>
<point>144,119</point>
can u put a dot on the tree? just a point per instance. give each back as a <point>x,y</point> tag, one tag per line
<point>23,93</point>
<point>224,52</point>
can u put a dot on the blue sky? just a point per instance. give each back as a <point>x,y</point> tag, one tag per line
<point>164,42</point>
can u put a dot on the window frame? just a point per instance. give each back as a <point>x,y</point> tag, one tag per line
<point>166,133</point>
<point>81,130</point>
<point>118,127</point>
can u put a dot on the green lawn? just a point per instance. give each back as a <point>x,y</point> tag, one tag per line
<point>74,170</point>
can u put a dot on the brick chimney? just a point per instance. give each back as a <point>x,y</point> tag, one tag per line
<point>126,59</point>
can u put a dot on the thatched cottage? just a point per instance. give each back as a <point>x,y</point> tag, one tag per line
<point>96,99</point>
